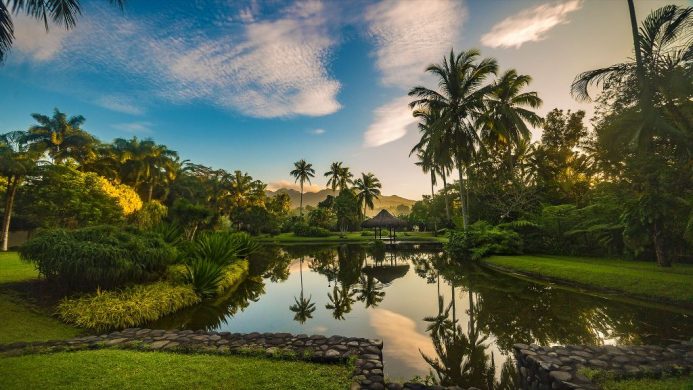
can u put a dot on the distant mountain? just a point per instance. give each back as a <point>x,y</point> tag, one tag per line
<point>389,202</point>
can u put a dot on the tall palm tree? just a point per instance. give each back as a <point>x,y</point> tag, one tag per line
<point>663,48</point>
<point>427,166</point>
<point>339,176</point>
<point>460,98</point>
<point>144,164</point>
<point>60,12</point>
<point>368,189</point>
<point>507,113</point>
<point>303,171</point>
<point>62,137</point>
<point>303,308</point>
<point>16,162</point>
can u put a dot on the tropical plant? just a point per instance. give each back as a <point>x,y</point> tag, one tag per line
<point>216,247</point>
<point>338,176</point>
<point>60,12</point>
<point>62,137</point>
<point>341,300</point>
<point>205,276</point>
<point>460,100</point>
<point>367,189</point>
<point>370,291</point>
<point>303,172</point>
<point>16,162</point>
<point>303,308</point>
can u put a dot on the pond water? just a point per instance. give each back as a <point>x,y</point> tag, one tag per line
<point>458,322</point>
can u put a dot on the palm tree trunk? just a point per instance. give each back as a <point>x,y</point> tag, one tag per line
<point>301,204</point>
<point>9,202</point>
<point>463,204</point>
<point>151,192</point>
<point>433,194</point>
<point>445,196</point>
<point>662,259</point>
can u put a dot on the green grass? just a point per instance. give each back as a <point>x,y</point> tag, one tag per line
<point>636,278</point>
<point>351,237</point>
<point>118,369</point>
<point>22,321</point>
<point>682,383</point>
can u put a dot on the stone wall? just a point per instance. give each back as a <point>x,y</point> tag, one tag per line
<point>564,367</point>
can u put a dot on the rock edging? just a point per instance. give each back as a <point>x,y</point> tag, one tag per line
<point>563,367</point>
<point>368,363</point>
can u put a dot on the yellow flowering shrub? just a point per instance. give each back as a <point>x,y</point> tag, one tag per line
<point>127,198</point>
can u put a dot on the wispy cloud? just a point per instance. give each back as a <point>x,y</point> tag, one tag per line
<point>32,40</point>
<point>530,25</point>
<point>134,127</point>
<point>268,68</point>
<point>317,131</point>
<point>120,104</point>
<point>408,36</point>
<point>390,123</point>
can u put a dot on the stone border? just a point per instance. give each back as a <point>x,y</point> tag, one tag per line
<point>562,367</point>
<point>367,354</point>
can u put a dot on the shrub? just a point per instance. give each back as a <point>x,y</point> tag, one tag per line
<point>304,230</point>
<point>103,256</point>
<point>223,248</point>
<point>172,233</point>
<point>481,240</point>
<point>205,277</point>
<point>151,214</point>
<point>232,276</point>
<point>138,305</point>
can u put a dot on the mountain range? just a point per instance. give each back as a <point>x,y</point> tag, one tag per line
<point>388,202</point>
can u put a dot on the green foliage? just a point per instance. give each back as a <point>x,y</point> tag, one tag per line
<point>150,215</point>
<point>305,230</point>
<point>222,248</point>
<point>102,256</point>
<point>233,275</point>
<point>130,307</point>
<point>481,240</point>
<point>205,277</point>
<point>346,207</point>
<point>322,217</point>
<point>171,233</point>
<point>60,196</point>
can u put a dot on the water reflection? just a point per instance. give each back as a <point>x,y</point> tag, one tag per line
<point>455,323</point>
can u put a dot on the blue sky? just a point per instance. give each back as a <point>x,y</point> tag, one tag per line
<point>255,85</point>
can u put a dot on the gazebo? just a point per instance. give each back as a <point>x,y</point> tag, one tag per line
<point>384,220</point>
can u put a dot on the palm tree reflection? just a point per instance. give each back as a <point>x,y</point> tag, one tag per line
<point>303,308</point>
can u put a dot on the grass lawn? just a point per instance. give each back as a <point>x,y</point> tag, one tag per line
<point>118,369</point>
<point>351,237</point>
<point>682,383</point>
<point>22,321</point>
<point>643,279</point>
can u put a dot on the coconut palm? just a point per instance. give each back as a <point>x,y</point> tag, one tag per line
<point>370,291</point>
<point>62,137</point>
<point>367,189</point>
<point>16,161</point>
<point>144,164</point>
<point>303,308</point>
<point>663,49</point>
<point>60,12</point>
<point>341,300</point>
<point>507,113</point>
<point>460,98</point>
<point>303,172</point>
<point>339,176</point>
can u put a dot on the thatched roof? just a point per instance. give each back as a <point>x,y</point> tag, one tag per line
<point>383,219</point>
<point>386,274</point>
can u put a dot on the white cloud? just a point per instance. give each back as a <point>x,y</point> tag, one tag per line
<point>402,338</point>
<point>307,187</point>
<point>317,131</point>
<point>269,68</point>
<point>409,35</point>
<point>32,40</point>
<point>390,123</point>
<point>134,127</point>
<point>120,104</point>
<point>530,25</point>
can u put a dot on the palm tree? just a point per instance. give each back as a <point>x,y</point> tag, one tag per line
<point>663,48</point>
<point>339,176</point>
<point>62,137</point>
<point>145,164</point>
<point>505,118</point>
<point>370,291</point>
<point>60,12</point>
<point>16,162</point>
<point>341,300</point>
<point>368,189</point>
<point>460,99</point>
<point>303,172</point>
<point>303,308</point>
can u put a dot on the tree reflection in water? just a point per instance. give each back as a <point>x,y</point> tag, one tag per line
<point>303,308</point>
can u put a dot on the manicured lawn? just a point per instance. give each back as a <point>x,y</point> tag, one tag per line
<point>352,237</point>
<point>644,279</point>
<point>683,383</point>
<point>22,321</point>
<point>117,369</point>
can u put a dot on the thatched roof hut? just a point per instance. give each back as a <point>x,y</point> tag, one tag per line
<point>386,274</point>
<point>384,220</point>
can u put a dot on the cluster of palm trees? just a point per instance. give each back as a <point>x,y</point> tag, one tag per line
<point>469,114</point>
<point>366,188</point>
